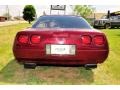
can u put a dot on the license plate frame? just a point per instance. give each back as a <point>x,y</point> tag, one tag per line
<point>59,49</point>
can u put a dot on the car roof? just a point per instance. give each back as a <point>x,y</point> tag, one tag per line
<point>60,16</point>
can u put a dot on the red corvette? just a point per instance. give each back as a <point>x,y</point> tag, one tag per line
<point>60,40</point>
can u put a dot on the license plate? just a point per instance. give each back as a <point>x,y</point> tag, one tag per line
<point>60,49</point>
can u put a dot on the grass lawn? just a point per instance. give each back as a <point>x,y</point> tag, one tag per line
<point>13,73</point>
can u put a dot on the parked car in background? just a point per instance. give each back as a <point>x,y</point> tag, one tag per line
<point>108,22</point>
<point>60,40</point>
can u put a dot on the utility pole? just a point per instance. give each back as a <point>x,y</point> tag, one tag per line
<point>19,16</point>
<point>72,8</point>
<point>7,12</point>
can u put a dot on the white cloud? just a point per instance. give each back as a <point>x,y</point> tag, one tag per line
<point>15,10</point>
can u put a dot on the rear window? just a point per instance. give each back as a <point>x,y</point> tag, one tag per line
<point>61,22</point>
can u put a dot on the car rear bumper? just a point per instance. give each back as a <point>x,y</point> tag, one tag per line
<point>81,57</point>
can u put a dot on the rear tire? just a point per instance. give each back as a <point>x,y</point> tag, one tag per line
<point>107,26</point>
<point>29,65</point>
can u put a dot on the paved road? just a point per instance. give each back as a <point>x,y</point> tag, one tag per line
<point>6,23</point>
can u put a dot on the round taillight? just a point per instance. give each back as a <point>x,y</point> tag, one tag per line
<point>35,39</point>
<point>99,40</point>
<point>23,39</point>
<point>86,40</point>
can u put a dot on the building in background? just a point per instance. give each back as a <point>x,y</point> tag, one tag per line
<point>96,15</point>
<point>2,18</point>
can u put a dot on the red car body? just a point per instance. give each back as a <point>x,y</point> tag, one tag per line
<point>48,45</point>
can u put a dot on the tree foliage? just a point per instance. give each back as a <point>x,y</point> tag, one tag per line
<point>29,13</point>
<point>83,10</point>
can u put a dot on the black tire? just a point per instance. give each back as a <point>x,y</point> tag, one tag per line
<point>107,26</point>
<point>118,27</point>
<point>29,65</point>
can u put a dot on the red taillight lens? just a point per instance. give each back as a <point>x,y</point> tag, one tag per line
<point>35,39</point>
<point>23,39</point>
<point>86,40</point>
<point>99,40</point>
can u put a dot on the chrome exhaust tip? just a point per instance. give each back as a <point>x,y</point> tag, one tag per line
<point>90,66</point>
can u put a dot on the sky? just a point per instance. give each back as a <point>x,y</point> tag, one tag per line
<point>16,10</point>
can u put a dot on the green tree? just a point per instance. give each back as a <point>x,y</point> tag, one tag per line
<point>83,10</point>
<point>29,13</point>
